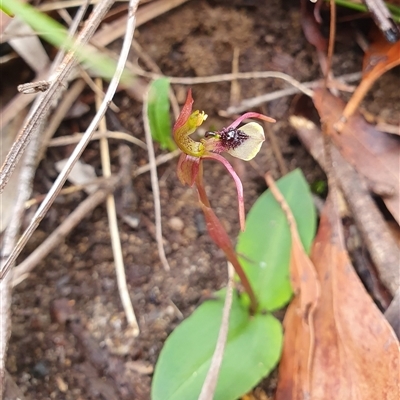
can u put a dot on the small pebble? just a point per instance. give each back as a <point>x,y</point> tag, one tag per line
<point>176,224</point>
<point>61,384</point>
<point>40,370</point>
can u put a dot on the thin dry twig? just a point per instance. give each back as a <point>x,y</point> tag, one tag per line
<point>89,81</point>
<point>115,29</point>
<point>56,84</point>
<point>66,191</point>
<point>114,231</point>
<point>309,298</point>
<point>388,128</point>
<point>235,86</point>
<point>29,48</point>
<point>62,177</point>
<point>71,32</point>
<point>258,100</point>
<point>327,143</point>
<point>67,140</point>
<point>33,87</point>
<point>20,272</point>
<point>58,115</point>
<point>155,68</point>
<point>229,77</point>
<point>331,45</point>
<point>154,184</point>
<point>163,158</point>
<point>30,130</point>
<point>102,37</point>
<point>283,169</point>
<point>210,383</point>
<point>5,327</point>
<point>63,4</point>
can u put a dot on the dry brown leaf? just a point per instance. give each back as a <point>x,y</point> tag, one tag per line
<point>370,222</point>
<point>373,154</point>
<point>312,27</point>
<point>380,57</point>
<point>307,289</point>
<point>356,354</point>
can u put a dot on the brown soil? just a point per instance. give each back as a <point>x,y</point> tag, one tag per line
<point>49,360</point>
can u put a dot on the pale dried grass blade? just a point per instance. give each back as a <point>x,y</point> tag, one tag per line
<point>44,104</point>
<point>210,383</point>
<point>91,202</point>
<point>55,189</point>
<point>154,184</point>
<point>114,231</point>
<point>29,47</point>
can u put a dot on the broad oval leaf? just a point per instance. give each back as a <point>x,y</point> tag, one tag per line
<point>252,350</point>
<point>264,247</point>
<point>158,113</point>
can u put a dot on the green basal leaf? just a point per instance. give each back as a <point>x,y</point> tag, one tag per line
<point>158,113</point>
<point>264,248</point>
<point>252,350</point>
<point>56,34</point>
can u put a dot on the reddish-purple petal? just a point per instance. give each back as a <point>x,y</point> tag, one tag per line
<point>237,121</point>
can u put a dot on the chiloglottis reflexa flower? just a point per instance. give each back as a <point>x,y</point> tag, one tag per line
<point>244,143</point>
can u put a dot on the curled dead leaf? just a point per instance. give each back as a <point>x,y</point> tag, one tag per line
<point>372,153</point>
<point>307,289</point>
<point>356,353</point>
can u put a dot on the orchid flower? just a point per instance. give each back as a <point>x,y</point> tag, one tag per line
<point>243,143</point>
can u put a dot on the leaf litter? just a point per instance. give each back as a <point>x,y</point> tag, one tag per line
<point>374,154</point>
<point>380,57</point>
<point>306,285</point>
<point>356,354</point>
